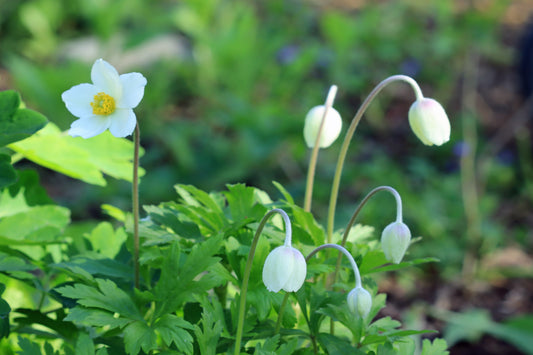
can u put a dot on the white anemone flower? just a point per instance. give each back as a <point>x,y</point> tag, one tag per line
<point>107,103</point>
<point>285,268</point>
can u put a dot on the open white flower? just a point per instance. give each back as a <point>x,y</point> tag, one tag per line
<point>107,103</point>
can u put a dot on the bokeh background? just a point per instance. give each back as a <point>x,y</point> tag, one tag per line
<point>230,82</point>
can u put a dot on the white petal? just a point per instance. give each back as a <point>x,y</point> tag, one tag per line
<point>132,90</point>
<point>277,268</point>
<point>299,272</point>
<point>106,78</point>
<point>123,122</point>
<point>78,99</point>
<point>90,126</point>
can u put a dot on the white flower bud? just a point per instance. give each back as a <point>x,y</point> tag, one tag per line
<point>330,130</point>
<point>395,239</point>
<point>429,122</point>
<point>285,268</point>
<point>360,302</point>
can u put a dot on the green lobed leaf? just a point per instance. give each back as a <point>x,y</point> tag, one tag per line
<point>83,159</point>
<point>27,347</point>
<point>138,335</point>
<point>38,225</point>
<point>107,297</point>
<point>437,347</point>
<point>106,240</point>
<point>17,122</point>
<point>84,344</point>
<point>174,330</point>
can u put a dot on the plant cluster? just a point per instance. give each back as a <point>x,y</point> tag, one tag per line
<point>200,274</point>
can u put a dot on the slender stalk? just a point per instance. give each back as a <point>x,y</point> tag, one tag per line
<point>281,312</point>
<point>348,138</point>
<point>356,213</point>
<point>248,269</point>
<point>346,253</point>
<point>314,154</point>
<point>469,180</point>
<point>135,202</point>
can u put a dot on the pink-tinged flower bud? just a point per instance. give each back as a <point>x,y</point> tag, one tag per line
<point>285,268</point>
<point>429,121</point>
<point>360,302</point>
<point>394,240</point>
<point>330,130</point>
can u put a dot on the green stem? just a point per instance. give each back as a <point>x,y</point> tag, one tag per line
<point>346,253</point>
<point>281,312</point>
<point>135,202</point>
<point>348,138</point>
<point>248,269</point>
<point>356,213</point>
<point>314,154</point>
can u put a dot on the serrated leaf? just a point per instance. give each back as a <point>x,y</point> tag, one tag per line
<point>106,240</point>
<point>138,335</point>
<point>83,159</point>
<point>243,204</point>
<point>438,347</point>
<point>107,297</point>
<point>17,123</point>
<point>173,330</point>
<point>84,344</point>
<point>178,281</point>
<point>27,347</point>
<point>96,318</point>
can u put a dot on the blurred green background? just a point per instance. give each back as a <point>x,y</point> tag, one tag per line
<point>230,82</point>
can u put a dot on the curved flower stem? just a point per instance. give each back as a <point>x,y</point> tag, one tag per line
<point>314,154</point>
<point>135,201</point>
<point>356,213</point>
<point>348,138</point>
<point>248,269</point>
<point>346,253</point>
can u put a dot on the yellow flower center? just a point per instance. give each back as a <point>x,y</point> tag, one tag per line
<point>103,104</point>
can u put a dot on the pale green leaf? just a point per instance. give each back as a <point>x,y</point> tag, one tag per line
<point>83,159</point>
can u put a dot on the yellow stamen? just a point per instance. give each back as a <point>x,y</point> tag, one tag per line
<point>103,104</point>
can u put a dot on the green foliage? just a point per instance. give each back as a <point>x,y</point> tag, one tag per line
<point>86,160</point>
<point>17,122</point>
<point>471,325</point>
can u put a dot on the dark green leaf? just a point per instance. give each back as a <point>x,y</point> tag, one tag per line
<point>8,175</point>
<point>138,335</point>
<point>17,123</point>
<point>173,330</point>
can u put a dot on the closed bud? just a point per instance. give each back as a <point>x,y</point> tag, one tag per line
<point>330,130</point>
<point>429,122</point>
<point>285,268</point>
<point>360,302</point>
<point>395,239</point>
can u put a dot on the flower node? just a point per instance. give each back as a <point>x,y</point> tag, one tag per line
<point>103,104</point>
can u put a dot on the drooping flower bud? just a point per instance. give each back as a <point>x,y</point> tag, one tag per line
<point>285,268</point>
<point>330,130</point>
<point>395,240</point>
<point>429,121</point>
<point>360,302</point>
